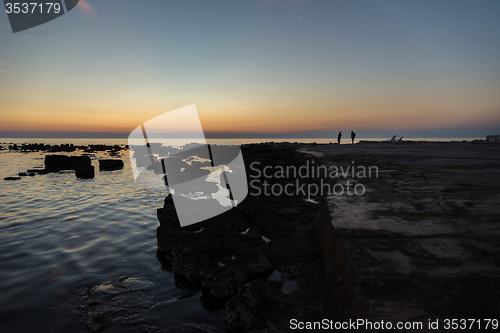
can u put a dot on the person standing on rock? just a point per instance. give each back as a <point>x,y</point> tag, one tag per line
<point>339,137</point>
<point>353,135</point>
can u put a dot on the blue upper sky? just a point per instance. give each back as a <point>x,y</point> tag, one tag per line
<point>268,67</point>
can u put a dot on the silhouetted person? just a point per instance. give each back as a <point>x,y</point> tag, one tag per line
<point>353,135</point>
<point>339,137</point>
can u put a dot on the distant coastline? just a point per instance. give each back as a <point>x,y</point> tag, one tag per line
<point>238,141</point>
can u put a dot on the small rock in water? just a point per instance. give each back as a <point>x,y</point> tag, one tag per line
<point>119,304</point>
<point>12,178</point>
<point>86,172</point>
<point>111,164</point>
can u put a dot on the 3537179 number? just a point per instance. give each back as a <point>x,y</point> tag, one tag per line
<point>453,324</point>
<point>33,7</point>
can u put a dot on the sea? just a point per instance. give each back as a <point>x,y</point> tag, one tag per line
<point>60,235</point>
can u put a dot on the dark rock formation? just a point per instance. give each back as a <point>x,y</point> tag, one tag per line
<point>109,165</point>
<point>63,162</point>
<point>236,256</point>
<point>65,147</point>
<point>85,172</point>
<point>37,171</point>
<point>28,173</point>
<point>81,164</point>
<point>220,258</point>
<point>423,241</point>
<point>252,306</point>
<point>94,148</point>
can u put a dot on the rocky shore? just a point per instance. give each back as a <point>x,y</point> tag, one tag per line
<point>422,245</point>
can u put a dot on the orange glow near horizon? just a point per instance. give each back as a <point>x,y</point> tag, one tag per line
<point>266,119</point>
<point>114,109</point>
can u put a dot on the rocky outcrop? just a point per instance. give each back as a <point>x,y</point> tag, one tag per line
<point>260,259</point>
<point>110,165</point>
<point>81,164</point>
<point>63,162</point>
<point>66,147</point>
<point>217,255</point>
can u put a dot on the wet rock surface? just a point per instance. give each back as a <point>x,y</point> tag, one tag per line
<point>423,242</point>
<point>120,305</point>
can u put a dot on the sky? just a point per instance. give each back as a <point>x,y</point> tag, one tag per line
<point>257,68</point>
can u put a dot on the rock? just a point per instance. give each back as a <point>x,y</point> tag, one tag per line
<point>12,178</point>
<point>94,148</point>
<point>63,147</point>
<point>231,255</point>
<point>214,253</point>
<point>22,174</point>
<point>111,164</point>
<point>118,305</point>
<point>63,162</point>
<point>81,164</point>
<point>423,241</point>
<point>252,306</point>
<point>32,172</point>
<point>34,147</point>
<point>85,172</point>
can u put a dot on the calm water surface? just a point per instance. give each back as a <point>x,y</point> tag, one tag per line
<point>59,234</point>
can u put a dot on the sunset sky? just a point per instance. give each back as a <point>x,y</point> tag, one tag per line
<point>257,68</point>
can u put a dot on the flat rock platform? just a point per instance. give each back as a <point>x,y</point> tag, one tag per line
<point>423,242</point>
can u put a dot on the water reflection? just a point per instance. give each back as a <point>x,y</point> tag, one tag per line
<point>60,235</point>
